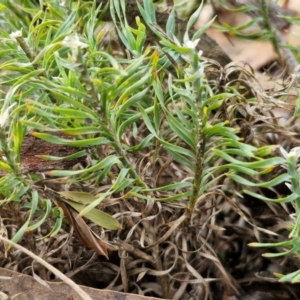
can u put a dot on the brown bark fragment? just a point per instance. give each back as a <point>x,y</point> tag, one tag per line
<point>32,147</point>
<point>21,287</point>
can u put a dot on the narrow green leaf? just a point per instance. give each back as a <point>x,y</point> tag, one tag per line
<point>58,212</point>
<point>184,133</point>
<point>24,227</point>
<point>121,177</point>
<point>280,179</point>
<point>73,143</point>
<point>173,197</point>
<point>79,197</point>
<point>171,187</point>
<point>264,163</point>
<point>272,255</point>
<point>177,149</point>
<point>194,17</point>
<point>147,121</point>
<point>287,199</point>
<point>203,29</point>
<point>79,131</point>
<point>74,113</point>
<point>146,142</point>
<point>288,277</point>
<point>122,107</point>
<point>58,158</point>
<point>38,224</point>
<point>107,162</point>
<point>150,11</point>
<point>170,27</point>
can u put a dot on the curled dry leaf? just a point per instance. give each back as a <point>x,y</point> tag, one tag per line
<point>84,234</point>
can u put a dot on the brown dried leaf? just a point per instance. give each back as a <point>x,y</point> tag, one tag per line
<point>21,286</point>
<point>84,234</point>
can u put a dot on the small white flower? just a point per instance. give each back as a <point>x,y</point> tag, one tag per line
<point>192,44</point>
<point>295,152</point>
<point>16,34</point>
<point>73,42</point>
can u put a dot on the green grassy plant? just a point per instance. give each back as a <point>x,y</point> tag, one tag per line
<point>263,26</point>
<point>56,78</point>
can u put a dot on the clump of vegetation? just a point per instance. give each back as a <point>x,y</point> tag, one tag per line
<point>168,145</point>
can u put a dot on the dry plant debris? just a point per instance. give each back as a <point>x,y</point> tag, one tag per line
<point>19,286</point>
